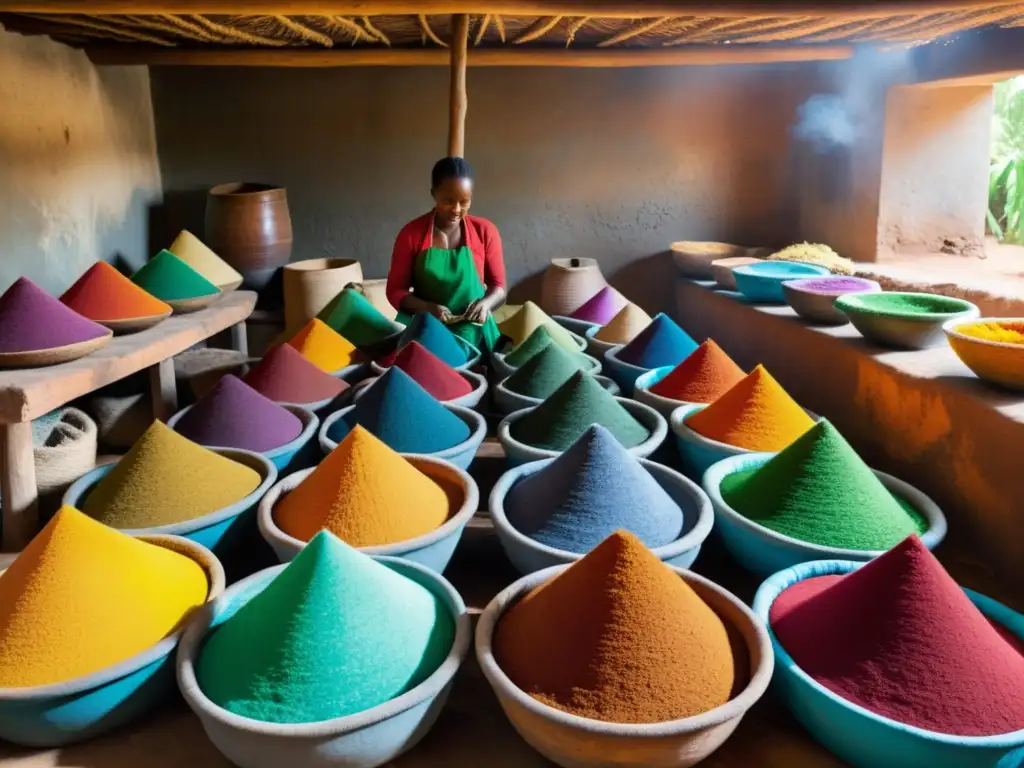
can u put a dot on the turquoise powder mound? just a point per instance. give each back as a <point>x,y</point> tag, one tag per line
<point>660,344</point>
<point>335,633</point>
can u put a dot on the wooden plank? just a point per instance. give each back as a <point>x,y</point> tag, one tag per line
<point>26,394</point>
<point>457,101</point>
<point>18,491</point>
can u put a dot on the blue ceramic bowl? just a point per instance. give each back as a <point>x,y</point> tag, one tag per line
<point>763,282</point>
<point>85,707</point>
<point>528,555</point>
<point>622,373</point>
<point>861,737</point>
<point>373,737</point>
<point>763,551</point>
<point>286,458</point>
<point>218,531</point>
<point>433,550</point>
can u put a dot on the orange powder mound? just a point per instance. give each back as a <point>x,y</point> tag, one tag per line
<point>325,347</point>
<point>625,326</point>
<point>756,414</point>
<point>82,597</point>
<point>103,293</point>
<point>620,637</point>
<point>365,494</point>
<point>702,377</point>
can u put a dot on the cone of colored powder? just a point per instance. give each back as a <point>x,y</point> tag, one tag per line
<point>545,372</point>
<point>819,490</point>
<point>165,478</point>
<point>618,637</point>
<point>169,278</point>
<point>82,596</point>
<point>234,415</point>
<point>558,422</point>
<point>327,349</point>
<point>355,318</point>
<point>366,495</point>
<point>534,343</point>
<point>432,334</point>
<point>601,307</point>
<point>405,416</point>
<point>334,633</point>
<point>524,322</point>
<point>429,371</point>
<point>31,319</point>
<point>661,343</point>
<point>592,490</point>
<point>194,252</point>
<point>702,377</point>
<point>756,414</point>
<point>103,293</point>
<point>625,326</point>
<point>285,376</point>
<point>900,638</point>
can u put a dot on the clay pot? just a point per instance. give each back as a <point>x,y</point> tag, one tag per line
<point>250,227</point>
<point>568,284</point>
<point>310,285</point>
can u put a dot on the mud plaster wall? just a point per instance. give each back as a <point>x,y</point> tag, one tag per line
<point>78,165</point>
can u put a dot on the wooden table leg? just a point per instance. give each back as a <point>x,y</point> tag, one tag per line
<point>240,338</point>
<point>20,496</point>
<point>164,389</point>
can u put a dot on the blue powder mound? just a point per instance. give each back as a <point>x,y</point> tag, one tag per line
<point>592,490</point>
<point>405,416</point>
<point>432,334</point>
<point>662,343</point>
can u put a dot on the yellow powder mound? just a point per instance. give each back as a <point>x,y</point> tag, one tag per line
<point>324,347</point>
<point>166,478</point>
<point>83,596</point>
<point>524,322</point>
<point>815,253</point>
<point>198,255</point>
<point>365,494</point>
<point>625,326</point>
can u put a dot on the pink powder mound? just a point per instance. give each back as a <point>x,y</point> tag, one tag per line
<point>285,376</point>
<point>601,307</point>
<point>31,319</point>
<point>834,286</point>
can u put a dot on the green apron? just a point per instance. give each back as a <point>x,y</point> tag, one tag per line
<point>449,277</point>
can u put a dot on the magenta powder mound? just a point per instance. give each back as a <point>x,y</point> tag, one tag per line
<point>31,320</point>
<point>601,307</point>
<point>834,286</point>
<point>234,415</point>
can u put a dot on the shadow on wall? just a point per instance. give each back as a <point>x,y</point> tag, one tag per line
<point>180,209</point>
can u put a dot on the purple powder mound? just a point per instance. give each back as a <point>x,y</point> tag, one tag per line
<point>234,415</point>
<point>601,307</point>
<point>834,286</point>
<point>31,320</point>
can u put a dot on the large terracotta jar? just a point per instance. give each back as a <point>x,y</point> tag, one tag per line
<point>568,284</point>
<point>250,227</point>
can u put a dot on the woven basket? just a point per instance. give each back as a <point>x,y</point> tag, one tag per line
<point>64,449</point>
<point>310,285</point>
<point>568,284</point>
<point>122,413</point>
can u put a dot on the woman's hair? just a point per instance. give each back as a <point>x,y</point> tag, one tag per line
<point>450,168</point>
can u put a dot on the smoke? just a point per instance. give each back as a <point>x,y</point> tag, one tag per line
<point>825,122</point>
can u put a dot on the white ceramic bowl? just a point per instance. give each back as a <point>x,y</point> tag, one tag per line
<point>904,330</point>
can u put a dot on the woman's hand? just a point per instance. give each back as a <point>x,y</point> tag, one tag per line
<point>441,312</point>
<point>478,311</point>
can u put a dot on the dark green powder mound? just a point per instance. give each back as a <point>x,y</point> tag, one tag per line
<point>557,422</point>
<point>820,491</point>
<point>170,279</point>
<point>545,372</point>
<point>534,343</point>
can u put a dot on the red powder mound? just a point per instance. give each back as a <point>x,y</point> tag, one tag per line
<point>431,372</point>
<point>103,293</point>
<point>285,376</point>
<point>900,638</point>
<point>702,377</point>
<point>31,319</point>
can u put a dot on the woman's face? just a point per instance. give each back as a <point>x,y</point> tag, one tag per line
<point>451,202</point>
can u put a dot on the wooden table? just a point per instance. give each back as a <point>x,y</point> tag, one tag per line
<point>29,393</point>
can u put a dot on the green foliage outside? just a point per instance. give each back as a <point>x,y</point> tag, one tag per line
<point>1006,173</point>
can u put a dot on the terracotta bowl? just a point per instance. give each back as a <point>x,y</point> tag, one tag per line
<point>997,362</point>
<point>693,258</point>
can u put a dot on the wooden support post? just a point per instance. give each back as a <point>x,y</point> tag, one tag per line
<point>240,338</point>
<point>457,103</point>
<point>18,489</point>
<point>164,389</point>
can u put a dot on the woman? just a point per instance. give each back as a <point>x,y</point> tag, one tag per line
<point>449,263</point>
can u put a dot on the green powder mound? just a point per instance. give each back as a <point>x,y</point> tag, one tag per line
<point>566,414</point>
<point>170,279</point>
<point>533,344</point>
<point>545,372</point>
<point>819,490</point>
<point>354,317</point>
<point>335,633</point>
<point>905,304</point>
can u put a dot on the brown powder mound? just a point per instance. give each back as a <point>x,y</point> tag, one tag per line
<point>618,637</point>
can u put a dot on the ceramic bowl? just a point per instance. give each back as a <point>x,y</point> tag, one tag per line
<point>904,330</point>
<point>333,431</point>
<point>470,400</point>
<point>354,373</point>
<point>517,453</point>
<point>473,357</point>
<point>134,324</point>
<point>82,708</point>
<point>663,405</point>
<point>763,551</point>
<point>693,258</point>
<point>721,270</point>
<point>697,452</point>
<point>367,739</point>
<point>863,738</point>
<point>578,327</point>
<point>763,282</point>
<point>502,370</point>
<point>597,348</point>
<point>432,550</point>
<point>578,742</point>
<point>813,298</point>
<point>528,555</point>
<point>323,408</point>
<point>284,457</point>
<point>185,306</point>
<point>217,531</point>
<point>506,401</point>
<point>997,362</point>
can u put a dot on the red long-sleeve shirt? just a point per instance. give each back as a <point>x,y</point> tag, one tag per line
<point>480,235</point>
